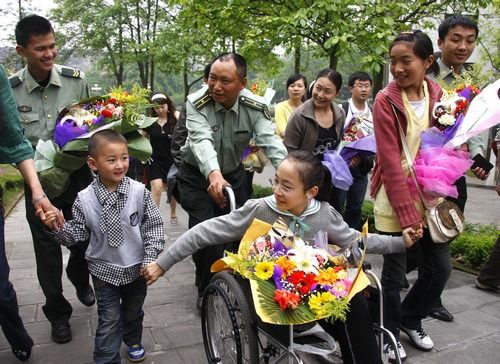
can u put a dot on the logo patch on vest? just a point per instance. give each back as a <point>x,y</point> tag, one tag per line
<point>134,219</point>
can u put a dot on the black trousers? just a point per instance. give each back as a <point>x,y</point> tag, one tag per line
<point>10,321</point>
<point>48,253</point>
<point>434,268</point>
<point>355,336</point>
<point>196,201</point>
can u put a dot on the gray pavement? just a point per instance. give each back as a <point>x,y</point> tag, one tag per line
<point>172,332</point>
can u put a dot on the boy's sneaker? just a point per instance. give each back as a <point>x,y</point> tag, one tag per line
<point>419,338</point>
<point>136,353</point>
<point>391,355</point>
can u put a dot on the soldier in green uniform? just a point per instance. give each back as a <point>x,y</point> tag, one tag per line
<point>42,89</point>
<point>220,122</point>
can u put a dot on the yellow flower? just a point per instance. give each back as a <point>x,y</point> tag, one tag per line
<point>264,270</point>
<point>319,303</point>
<point>286,265</point>
<point>326,276</point>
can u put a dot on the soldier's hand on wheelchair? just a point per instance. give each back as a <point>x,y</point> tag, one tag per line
<point>152,272</point>
<point>411,235</point>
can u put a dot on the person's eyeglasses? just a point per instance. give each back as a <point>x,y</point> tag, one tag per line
<point>275,184</point>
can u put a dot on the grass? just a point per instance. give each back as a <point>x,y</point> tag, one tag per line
<point>12,184</point>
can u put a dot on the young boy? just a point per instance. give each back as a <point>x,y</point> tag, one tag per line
<point>126,233</point>
<point>360,87</point>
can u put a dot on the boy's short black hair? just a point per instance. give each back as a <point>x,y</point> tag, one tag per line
<point>104,136</point>
<point>29,26</point>
<point>455,20</point>
<point>359,76</point>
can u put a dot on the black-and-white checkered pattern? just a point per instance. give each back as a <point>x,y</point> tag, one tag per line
<point>152,233</point>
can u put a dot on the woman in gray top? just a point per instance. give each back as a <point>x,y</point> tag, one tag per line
<point>298,200</point>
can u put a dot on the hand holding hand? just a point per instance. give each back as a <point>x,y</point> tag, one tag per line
<point>411,235</point>
<point>50,215</point>
<point>216,186</point>
<point>50,218</point>
<point>152,272</point>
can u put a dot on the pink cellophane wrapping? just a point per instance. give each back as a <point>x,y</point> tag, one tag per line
<point>438,168</point>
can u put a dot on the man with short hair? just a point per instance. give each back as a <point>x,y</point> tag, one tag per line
<point>42,89</point>
<point>220,122</point>
<point>357,111</point>
<point>457,37</point>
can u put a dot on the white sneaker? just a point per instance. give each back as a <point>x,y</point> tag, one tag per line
<point>419,338</point>
<point>391,355</point>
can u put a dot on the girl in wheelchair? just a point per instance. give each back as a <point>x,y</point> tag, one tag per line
<point>299,198</point>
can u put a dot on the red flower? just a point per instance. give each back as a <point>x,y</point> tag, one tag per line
<point>106,113</point>
<point>113,101</point>
<point>302,282</point>
<point>286,299</point>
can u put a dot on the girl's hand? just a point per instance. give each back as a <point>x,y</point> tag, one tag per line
<point>411,235</point>
<point>152,272</point>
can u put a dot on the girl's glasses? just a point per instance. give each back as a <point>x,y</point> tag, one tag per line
<point>275,184</point>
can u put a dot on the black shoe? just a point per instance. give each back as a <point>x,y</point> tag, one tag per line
<point>22,354</point>
<point>61,333</point>
<point>86,296</point>
<point>441,313</point>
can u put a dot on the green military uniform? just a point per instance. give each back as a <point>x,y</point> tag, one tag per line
<point>38,108</point>
<point>14,148</point>
<point>216,140</point>
<point>218,137</point>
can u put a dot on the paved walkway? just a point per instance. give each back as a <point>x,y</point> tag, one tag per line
<point>172,332</point>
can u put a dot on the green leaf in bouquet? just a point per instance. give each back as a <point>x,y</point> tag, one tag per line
<point>55,180</point>
<point>139,146</point>
<point>135,121</point>
<point>265,292</point>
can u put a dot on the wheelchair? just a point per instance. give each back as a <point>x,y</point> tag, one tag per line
<point>233,332</point>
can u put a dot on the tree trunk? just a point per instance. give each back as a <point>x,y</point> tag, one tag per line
<point>334,60</point>
<point>185,81</point>
<point>297,58</point>
<point>378,81</point>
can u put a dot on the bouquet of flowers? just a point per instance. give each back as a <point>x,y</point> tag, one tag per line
<point>293,281</point>
<point>358,139</point>
<point>56,160</point>
<point>437,167</point>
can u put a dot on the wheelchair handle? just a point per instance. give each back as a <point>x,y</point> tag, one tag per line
<point>230,198</point>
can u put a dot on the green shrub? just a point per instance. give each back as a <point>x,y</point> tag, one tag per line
<point>367,214</point>
<point>474,245</point>
<point>259,191</point>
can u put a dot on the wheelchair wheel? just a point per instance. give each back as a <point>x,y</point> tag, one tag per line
<point>228,326</point>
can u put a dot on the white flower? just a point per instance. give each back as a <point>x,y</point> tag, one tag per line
<point>447,120</point>
<point>79,115</point>
<point>305,257</point>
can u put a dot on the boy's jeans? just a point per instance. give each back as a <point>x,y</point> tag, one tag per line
<point>120,314</point>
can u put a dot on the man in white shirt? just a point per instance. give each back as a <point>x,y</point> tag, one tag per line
<point>358,123</point>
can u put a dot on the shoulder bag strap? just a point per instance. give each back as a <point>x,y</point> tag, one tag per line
<point>408,158</point>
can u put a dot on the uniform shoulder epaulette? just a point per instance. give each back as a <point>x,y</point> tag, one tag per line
<point>254,104</point>
<point>202,101</point>
<point>70,72</point>
<point>15,80</point>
